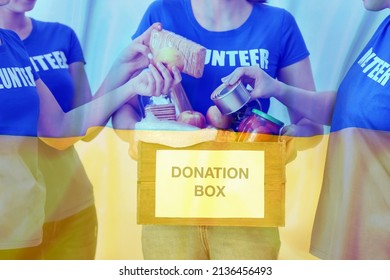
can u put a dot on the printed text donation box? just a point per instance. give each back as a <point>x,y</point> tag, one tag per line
<point>211,183</point>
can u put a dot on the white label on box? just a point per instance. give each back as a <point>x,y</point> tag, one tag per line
<point>209,184</point>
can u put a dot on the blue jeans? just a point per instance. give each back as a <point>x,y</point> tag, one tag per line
<point>31,253</point>
<point>209,243</point>
<point>73,238</point>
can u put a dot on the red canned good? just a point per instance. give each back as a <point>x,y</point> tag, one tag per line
<point>258,127</point>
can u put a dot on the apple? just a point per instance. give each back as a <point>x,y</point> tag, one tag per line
<point>215,118</point>
<point>193,118</point>
<point>170,56</point>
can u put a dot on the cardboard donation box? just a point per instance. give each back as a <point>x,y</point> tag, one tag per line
<point>212,183</point>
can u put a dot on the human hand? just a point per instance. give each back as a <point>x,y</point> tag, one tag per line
<point>155,80</point>
<point>137,55</point>
<point>264,86</point>
<point>132,60</point>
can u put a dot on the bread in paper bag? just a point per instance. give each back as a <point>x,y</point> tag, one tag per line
<point>174,50</point>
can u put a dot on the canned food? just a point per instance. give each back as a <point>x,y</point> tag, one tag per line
<point>230,99</point>
<point>244,112</point>
<point>258,127</point>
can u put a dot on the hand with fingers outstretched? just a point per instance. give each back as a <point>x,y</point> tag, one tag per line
<point>133,60</point>
<point>155,80</point>
<point>264,86</point>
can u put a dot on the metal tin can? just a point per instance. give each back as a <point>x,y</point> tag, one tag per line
<point>230,99</point>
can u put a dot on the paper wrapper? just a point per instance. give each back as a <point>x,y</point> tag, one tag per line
<point>192,53</point>
<point>180,99</point>
<point>169,133</point>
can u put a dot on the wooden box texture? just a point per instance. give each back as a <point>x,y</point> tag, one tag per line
<point>274,185</point>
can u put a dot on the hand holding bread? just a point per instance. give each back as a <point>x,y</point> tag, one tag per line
<point>174,50</point>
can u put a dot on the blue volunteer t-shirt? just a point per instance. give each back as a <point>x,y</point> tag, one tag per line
<point>352,218</point>
<point>51,59</point>
<point>363,98</point>
<point>52,48</point>
<point>269,38</point>
<point>19,100</point>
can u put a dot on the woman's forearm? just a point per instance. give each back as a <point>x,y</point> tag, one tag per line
<point>315,106</point>
<point>54,123</point>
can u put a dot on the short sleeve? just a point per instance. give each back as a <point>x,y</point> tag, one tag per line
<point>75,51</point>
<point>293,46</point>
<point>150,16</point>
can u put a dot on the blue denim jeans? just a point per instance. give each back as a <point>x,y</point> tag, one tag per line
<point>209,243</point>
<point>31,253</point>
<point>73,238</point>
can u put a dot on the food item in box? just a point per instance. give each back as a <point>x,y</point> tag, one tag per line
<point>180,99</point>
<point>170,56</point>
<point>216,119</point>
<point>234,103</point>
<point>192,118</point>
<point>162,111</point>
<point>230,99</point>
<point>161,107</point>
<point>259,127</point>
<point>172,49</point>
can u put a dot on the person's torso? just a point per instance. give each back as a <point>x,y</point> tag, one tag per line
<point>52,47</point>
<point>261,40</point>
<point>363,98</point>
<point>22,196</point>
<point>356,178</point>
<point>19,101</point>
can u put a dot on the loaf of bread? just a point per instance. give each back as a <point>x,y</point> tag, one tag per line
<point>174,50</point>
